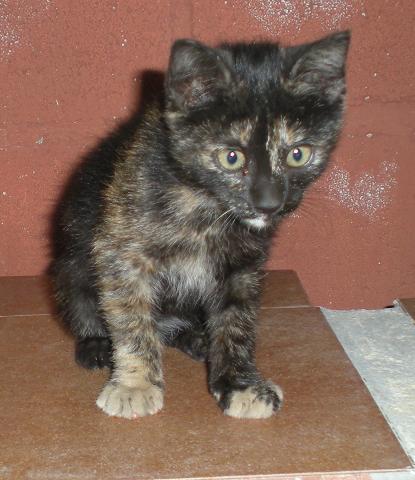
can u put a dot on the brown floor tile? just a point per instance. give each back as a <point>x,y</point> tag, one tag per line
<point>24,296</point>
<point>282,288</point>
<point>50,427</point>
<point>409,305</point>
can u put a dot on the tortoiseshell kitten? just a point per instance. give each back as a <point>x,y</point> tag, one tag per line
<point>163,243</point>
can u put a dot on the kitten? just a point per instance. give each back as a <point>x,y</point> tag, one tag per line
<point>162,241</point>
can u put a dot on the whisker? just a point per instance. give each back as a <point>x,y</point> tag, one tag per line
<point>228,220</point>
<point>220,216</point>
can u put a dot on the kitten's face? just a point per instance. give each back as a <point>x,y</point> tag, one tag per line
<point>254,125</point>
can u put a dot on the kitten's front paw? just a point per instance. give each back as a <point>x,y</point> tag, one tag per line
<point>257,401</point>
<point>121,401</point>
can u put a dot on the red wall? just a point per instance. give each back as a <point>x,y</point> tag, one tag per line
<point>70,71</point>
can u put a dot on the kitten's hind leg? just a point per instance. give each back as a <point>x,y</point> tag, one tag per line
<point>93,352</point>
<point>93,347</point>
<point>78,306</point>
<point>187,335</point>
<point>192,342</point>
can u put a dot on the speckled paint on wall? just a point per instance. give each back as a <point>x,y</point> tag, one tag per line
<point>285,16</point>
<point>71,71</point>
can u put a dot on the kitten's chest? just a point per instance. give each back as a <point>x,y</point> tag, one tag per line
<point>197,273</point>
<point>191,277</point>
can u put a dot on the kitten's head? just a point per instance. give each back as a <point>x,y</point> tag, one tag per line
<point>253,125</point>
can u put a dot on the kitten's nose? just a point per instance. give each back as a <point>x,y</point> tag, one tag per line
<point>268,197</point>
<point>268,209</point>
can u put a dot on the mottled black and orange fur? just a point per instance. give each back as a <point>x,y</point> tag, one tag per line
<point>158,244</point>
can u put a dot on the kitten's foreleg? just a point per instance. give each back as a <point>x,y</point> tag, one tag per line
<point>135,388</point>
<point>233,377</point>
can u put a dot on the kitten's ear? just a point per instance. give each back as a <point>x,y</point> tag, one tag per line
<point>197,75</point>
<point>319,67</point>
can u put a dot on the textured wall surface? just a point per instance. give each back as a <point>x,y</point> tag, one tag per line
<point>71,71</point>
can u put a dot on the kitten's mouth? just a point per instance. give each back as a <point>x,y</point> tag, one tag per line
<point>259,222</point>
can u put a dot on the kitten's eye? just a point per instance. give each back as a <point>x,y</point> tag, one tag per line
<point>231,159</point>
<point>299,156</point>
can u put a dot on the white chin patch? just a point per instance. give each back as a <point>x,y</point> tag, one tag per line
<point>258,222</point>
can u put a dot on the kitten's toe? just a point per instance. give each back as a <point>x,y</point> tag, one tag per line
<point>121,401</point>
<point>93,352</point>
<point>256,401</point>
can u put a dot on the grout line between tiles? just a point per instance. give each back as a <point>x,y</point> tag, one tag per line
<point>260,308</point>
<point>27,315</point>
<point>339,475</point>
<point>288,306</point>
